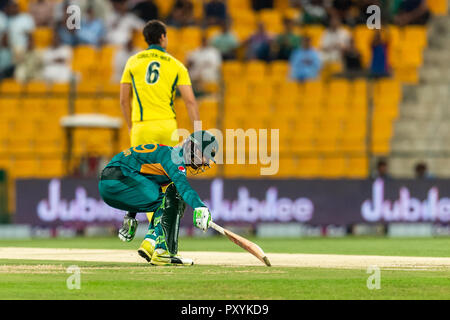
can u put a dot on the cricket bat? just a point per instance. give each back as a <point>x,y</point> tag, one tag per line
<point>245,244</point>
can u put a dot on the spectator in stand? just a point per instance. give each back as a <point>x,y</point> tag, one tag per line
<point>66,35</point>
<point>258,44</point>
<point>204,65</point>
<point>215,12</point>
<point>305,62</point>
<point>343,10</point>
<point>6,59</point>
<point>20,27</point>
<point>146,10</point>
<point>382,169</point>
<point>314,11</point>
<point>92,29</point>
<point>412,12</point>
<point>226,42</point>
<point>262,4</point>
<point>2,4</point>
<point>334,41</point>
<point>102,8</point>
<point>352,61</point>
<point>182,14</point>
<point>421,171</point>
<point>121,58</point>
<point>379,66</point>
<point>42,12</point>
<point>57,60</point>
<point>29,65</point>
<point>121,24</point>
<point>285,42</point>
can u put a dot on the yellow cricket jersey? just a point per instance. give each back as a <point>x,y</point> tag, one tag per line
<point>154,75</point>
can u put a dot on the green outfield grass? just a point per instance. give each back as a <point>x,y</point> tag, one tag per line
<point>47,280</point>
<point>26,279</point>
<point>421,247</point>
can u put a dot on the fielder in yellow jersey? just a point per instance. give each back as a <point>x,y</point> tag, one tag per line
<point>149,80</point>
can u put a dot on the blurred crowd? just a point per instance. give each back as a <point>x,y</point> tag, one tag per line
<point>113,22</point>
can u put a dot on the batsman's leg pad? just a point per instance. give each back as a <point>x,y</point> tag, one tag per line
<point>173,207</point>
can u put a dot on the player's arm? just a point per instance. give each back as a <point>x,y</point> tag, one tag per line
<point>187,94</point>
<point>126,94</point>
<point>191,103</point>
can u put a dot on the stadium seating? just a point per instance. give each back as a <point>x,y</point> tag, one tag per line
<point>324,125</point>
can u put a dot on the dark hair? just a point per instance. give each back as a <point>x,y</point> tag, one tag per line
<point>381,163</point>
<point>153,31</point>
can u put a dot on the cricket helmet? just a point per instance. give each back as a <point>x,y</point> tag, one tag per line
<point>199,150</point>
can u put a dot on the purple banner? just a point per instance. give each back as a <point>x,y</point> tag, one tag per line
<point>315,202</point>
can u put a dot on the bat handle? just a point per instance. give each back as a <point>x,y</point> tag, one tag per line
<point>216,227</point>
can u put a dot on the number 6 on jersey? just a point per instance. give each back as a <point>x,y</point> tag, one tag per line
<point>152,75</point>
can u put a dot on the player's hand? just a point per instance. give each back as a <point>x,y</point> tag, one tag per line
<point>128,229</point>
<point>202,217</point>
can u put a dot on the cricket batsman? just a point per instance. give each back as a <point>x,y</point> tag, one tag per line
<point>132,181</point>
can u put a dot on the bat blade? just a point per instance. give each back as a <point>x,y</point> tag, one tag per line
<point>249,246</point>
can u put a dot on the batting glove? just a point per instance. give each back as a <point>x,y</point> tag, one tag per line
<point>128,229</point>
<point>202,217</point>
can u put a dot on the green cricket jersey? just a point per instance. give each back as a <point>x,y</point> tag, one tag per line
<point>161,164</point>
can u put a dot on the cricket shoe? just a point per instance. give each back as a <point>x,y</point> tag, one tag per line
<point>163,258</point>
<point>146,249</point>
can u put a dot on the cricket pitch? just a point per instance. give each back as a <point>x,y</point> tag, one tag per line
<point>234,258</point>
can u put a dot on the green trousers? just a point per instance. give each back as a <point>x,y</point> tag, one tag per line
<point>131,191</point>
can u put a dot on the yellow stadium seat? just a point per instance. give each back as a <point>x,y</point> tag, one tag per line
<point>23,5</point>
<point>407,74</point>
<point>315,33</point>
<point>212,31</point>
<point>308,167</point>
<point>88,87</point>
<point>381,146</point>
<point>382,129</point>
<point>352,144</point>
<point>415,36</point>
<point>238,5</point>
<point>244,18</point>
<point>191,37</point>
<point>279,70</point>
<point>51,168</point>
<point>37,87</point>
<point>86,105</point>
<point>263,90</point>
<point>357,167</point>
<point>256,70</point>
<point>109,106</point>
<point>232,70</point>
<point>235,89</point>
<point>164,7</point>
<point>272,20</point>
<point>24,168</point>
<point>50,146</point>
<point>60,88</point>
<point>243,32</point>
<point>339,90</point>
<point>43,37</point>
<point>11,86</point>
<point>333,167</point>
<point>313,90</point>
<point>287,167</point>
<point>111,88</point>
<point>438,7</point>
<point>84,57</point>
